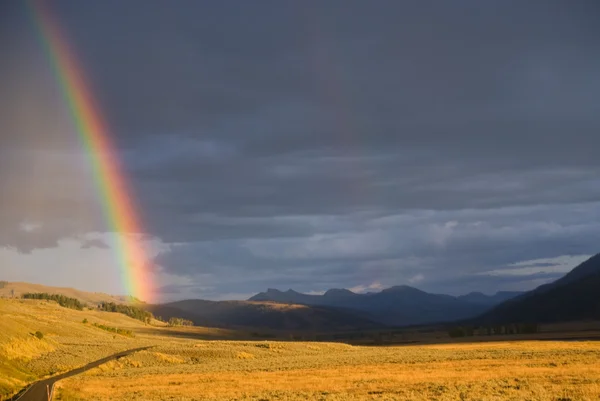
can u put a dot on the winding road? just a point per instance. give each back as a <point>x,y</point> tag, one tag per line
<point>42,390</point>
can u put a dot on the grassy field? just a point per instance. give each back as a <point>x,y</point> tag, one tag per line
<point>67,342</point>
<point>227,370</point>
<point>195,363</point>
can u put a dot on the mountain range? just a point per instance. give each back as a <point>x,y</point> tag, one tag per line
<point>395,306</point>
<point>575,296</point>
<point>335,310</point>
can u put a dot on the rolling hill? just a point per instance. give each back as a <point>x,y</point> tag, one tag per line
<point>394,306</point>
<point>265,315</point>
<point>67,342</point>
<point>576,296</point>
<point>70,338</point>
<point>239,314</point>
<point>16,289</point>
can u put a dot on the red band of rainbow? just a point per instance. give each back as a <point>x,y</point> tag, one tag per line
<point>95,139</point>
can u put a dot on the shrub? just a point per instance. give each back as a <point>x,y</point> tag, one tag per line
<point>85,321</point>
<point>460,332</point>
<point>122,332</point>
<point>177,321</point>
<point>39,334</point>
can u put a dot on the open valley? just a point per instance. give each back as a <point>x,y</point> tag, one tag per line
<point>195,363</point>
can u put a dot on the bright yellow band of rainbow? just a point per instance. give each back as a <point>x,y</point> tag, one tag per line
<point>95,139</point>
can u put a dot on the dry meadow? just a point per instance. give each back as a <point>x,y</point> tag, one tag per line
<point>208,364</point>
<point>227,370</point>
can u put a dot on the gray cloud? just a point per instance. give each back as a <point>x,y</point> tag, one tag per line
<point>314,144</point>
<point>94,243</point>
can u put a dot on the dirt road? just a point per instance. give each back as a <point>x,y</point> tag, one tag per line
<point>42,390</point>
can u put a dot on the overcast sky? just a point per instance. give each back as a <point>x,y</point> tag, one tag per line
<point>448,145</point>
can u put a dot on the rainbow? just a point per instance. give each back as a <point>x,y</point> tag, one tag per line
<point>95,139</point>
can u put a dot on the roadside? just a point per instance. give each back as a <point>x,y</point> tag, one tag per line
<point>42,390</point>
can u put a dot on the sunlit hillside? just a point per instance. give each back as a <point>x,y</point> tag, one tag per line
<point>69,339</point>
<point>16,289</point>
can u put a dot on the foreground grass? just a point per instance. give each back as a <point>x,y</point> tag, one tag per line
<point>67,341</point>
<point>224,370</point>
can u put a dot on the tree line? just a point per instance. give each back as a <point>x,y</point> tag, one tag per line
<point>131,311</point>
<point>469,331</point>
<point>62,300</point>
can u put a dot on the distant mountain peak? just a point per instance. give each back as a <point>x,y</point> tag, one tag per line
<point>402,288</point>
<point>397,305</point>
<point>475,294</point>
<point>338,291</point>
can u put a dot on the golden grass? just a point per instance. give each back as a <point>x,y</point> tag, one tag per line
<point>25,348</point>
<point>69,343</point>
<point>250,371</point>
<point>185,366</point>
<point>167,358</point>
<point>19,288</point>
<point>66,342</point>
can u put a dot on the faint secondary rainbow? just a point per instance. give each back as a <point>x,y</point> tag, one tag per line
<point>95,139</point>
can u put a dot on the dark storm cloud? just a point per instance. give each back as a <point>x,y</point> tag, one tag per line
<point>318,145</point>
<point>400,249</point>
